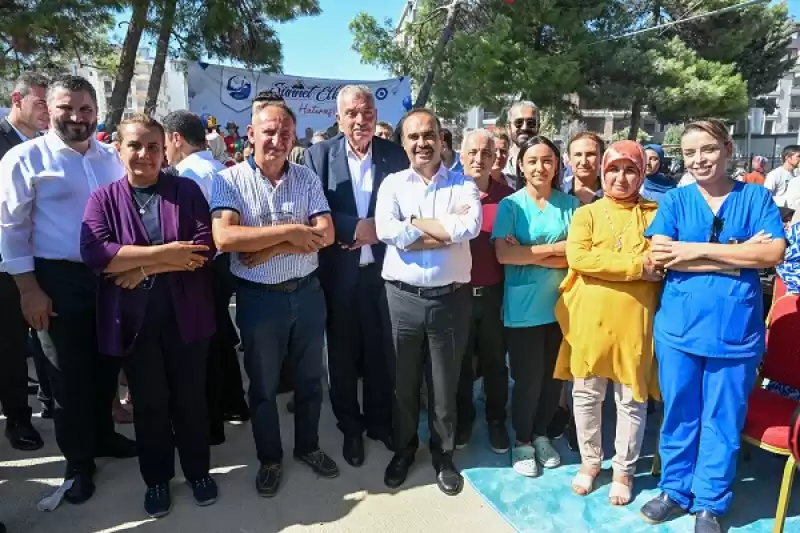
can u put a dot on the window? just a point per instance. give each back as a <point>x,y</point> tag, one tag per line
<point>141,86</point>
<point>489,115</point>
<point>796,82</point>
<point>794,125</point>
<point>768,126</point>
<point>795,103</point>
<point>108,86</point>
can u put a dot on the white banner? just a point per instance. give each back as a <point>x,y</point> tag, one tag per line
<point>227,92</point>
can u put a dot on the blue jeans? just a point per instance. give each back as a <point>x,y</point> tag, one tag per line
<point>274,326</point>
<point>705,403</point>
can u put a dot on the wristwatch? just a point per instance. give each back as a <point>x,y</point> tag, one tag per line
<point>411,219</point>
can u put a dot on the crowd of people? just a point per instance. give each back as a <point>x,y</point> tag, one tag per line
<point>417,264</point>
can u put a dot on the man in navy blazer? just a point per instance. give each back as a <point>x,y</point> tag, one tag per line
<point>352,166</point>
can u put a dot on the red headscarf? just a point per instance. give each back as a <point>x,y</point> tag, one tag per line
<point>625,151</point>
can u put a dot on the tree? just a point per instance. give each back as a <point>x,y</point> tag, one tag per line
<point>47,35</point>
<point>211,29</point>
<point>624,133</point>
<point>127,63</point>
<point>499,51</point>
<point>672,137</point>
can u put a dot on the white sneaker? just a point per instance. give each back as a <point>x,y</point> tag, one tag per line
<point>547,455</point>
<point>523,460</point>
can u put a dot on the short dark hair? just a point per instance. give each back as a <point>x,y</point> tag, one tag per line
<point>592,136</point>
<point>144,120</point>
<point>188,125</point>
<point>73,84</point>
<point>447,138</point>
<point>266,97</point>
<point>29,80</point>
<point>789,151</point>
<point>277,104</point>
<point>418,111</point>
<point>530,143</point>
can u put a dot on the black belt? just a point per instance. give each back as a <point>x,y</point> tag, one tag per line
<point>427,292</point>
<point>483,291</point>
<point>290,285</point>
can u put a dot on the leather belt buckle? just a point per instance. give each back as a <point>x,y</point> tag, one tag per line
<point>477,291</point>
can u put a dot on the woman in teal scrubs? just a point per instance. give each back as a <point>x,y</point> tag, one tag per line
<point>529,233</point>
<point>712,237</point>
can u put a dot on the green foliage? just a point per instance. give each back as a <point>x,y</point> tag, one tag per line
<point>47,35</point>
<point>621,135</point>
<point>672,136</point>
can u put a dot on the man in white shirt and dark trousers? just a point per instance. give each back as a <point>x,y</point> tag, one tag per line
<point>427,215</point>
<point>274,215</point>
<point>27,117</point>
<point>44,188</point>
<point>352,167</point>
<point>779,178</point>
<point>185,150</point>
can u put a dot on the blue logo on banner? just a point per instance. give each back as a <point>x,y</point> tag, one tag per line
<point>239,88</point>
<point>381,94</point>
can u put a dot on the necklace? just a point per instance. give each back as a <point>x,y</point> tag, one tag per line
<point>144,205</point>
<point>618,236</point>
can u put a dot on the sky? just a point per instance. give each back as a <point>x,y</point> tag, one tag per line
<point>320,46</point>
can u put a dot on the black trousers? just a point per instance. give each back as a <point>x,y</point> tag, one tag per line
<point>358,337</point>
<point>224,390</point>
<point>486,340</point>
<point>83,381</point>
<point>44,395</point>
<point>13,354</point>
<point>167,380</point>
<point>278,328</point>
<point>441,323</point>
<point>532,353</point>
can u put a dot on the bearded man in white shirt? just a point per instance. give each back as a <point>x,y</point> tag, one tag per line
<point>427,215</point>
<point>185,150</point>
<point>45,185</point>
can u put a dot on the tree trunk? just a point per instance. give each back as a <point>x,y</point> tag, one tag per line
<point>162,49</point>
<point>127,64</point>
<point>438,55</point>
<point>636,118</point>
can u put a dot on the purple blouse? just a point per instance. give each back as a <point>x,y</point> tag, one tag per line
<point>111,222</point>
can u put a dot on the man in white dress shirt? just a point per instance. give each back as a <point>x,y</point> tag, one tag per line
<point>185,150</point>
<point>352,167</point>
<point>45,185</point>
<point>427,215</point>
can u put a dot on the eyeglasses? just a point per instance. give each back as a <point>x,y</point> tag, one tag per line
<point>530,122</point>
<point>716,229</point>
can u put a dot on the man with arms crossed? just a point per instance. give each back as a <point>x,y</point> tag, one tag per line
<point>274,216</point>
<point>426,215</point>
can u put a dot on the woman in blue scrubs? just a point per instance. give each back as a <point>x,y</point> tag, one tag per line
<point>712,237</point>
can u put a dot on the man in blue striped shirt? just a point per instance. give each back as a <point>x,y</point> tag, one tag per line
<point>274,218</point>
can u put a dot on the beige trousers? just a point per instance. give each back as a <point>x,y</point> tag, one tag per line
<point>588,395</point>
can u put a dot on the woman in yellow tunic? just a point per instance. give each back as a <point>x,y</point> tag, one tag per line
<point>606,313</point>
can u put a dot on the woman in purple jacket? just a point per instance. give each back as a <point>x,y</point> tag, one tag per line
<point>149,236</point>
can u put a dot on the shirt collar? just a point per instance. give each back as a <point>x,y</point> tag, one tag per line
<point>442,173</point>
<point>57,144</point>
<point>351,153</point>
<point>205,155</point>
<point>21,135</point>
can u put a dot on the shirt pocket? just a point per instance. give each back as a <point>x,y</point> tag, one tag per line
<point>521,303</point>
<point>738,319</point>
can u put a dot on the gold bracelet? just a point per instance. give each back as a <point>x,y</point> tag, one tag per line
<point>143,272</point>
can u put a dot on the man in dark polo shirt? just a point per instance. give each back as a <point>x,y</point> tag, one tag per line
<point>486,329</point>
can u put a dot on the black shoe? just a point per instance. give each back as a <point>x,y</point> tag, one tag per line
<point>216,438</point>
<point>47,412</point>
<point>572,435</point>
<point>117,446</point>
<point>353,450</point>
<point>463,434</point>
<point>82,486</point>
<point>706,522</point>
<point>23,436</point>
<point>2,528</point>
<point>204,490</point>
<point>448,478</point>
<point>498,437</point>
<point>157,502</point>
<point>558,424</point>
<point>660,509</point>
<point>385,438</point>
<point>236,416</point>
<point>268,479</point>
<point>397,470</point>
<point>320,463</point>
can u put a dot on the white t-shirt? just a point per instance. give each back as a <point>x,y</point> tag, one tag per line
<point>777,182</point>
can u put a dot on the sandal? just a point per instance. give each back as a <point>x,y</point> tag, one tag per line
<point>620,493</point>
<point>583,484</point>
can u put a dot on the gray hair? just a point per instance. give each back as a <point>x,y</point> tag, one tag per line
<point>486,134</point>
<point>521,104</point>
<point>354,90</point>
<point>73,84</point>
<point>28,81</point>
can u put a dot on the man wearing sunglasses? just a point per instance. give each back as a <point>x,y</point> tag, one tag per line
<point>523,124</point>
